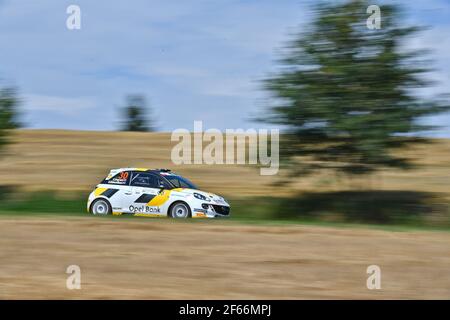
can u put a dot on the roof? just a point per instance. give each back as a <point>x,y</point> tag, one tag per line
<point>115,171</point>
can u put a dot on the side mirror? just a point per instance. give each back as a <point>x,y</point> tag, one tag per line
<point>161,189</point>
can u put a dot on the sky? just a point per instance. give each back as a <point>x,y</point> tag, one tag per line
<point>193,60</point>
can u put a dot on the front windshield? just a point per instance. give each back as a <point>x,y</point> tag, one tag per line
<point>180,182</point>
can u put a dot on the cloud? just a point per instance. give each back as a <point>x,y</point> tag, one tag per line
<point>192,59</point>
<point>62,105</point>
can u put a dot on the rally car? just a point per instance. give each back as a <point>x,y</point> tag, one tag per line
<point>153,193</point>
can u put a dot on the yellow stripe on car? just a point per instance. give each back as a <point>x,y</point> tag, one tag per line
<point>99,191</point>
<point>151,215</point>
<point>160,199</point>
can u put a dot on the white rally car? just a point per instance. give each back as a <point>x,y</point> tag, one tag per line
<point>154,193</point>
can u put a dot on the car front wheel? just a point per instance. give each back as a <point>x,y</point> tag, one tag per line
<point>180,210</point>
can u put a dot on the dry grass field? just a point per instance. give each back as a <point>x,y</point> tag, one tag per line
<point>164,259</point>
<point>77,160</point>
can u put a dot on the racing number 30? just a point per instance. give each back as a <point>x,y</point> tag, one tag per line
<point>123,175</point>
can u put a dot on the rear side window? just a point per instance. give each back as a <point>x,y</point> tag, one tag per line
<point>143,179</point>
<point>122,178</point>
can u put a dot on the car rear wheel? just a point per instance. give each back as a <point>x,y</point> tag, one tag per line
<point>101,207</point>
<point>180,210</point>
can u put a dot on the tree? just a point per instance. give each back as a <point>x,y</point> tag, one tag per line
<point>346,94</point>
<point>136,115</point>
<point>8,113</point>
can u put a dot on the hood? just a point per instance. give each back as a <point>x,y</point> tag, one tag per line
<point>213,198</point>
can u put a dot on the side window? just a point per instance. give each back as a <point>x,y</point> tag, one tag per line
<point>121,178</point>
<point>146,180</point>
<point>164,184</point>
<point>183,184</point>
<point>176,182</point>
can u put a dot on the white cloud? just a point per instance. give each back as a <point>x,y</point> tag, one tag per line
<point>62,105</point>
<point>189,57</point>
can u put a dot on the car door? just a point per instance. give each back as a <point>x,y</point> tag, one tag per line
<point>142,189</point>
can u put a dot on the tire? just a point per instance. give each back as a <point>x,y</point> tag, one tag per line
<point>101,207</point>
<point>180,210</point>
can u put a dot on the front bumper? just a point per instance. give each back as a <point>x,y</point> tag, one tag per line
<point>212,211</point>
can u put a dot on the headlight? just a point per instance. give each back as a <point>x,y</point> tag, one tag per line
<point>201,197</point>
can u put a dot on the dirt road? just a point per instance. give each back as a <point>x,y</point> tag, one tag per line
<point>162,259</point>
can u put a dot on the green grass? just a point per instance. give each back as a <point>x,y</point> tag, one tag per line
<point>38,203</point>
<point>379,208</point>
<point>399,212</point>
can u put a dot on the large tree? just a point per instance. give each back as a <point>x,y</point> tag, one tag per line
<point>8,113</point>
<point>347,94</point>
<point>136,115</point>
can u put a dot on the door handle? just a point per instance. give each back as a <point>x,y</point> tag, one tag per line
<point>128,193</point>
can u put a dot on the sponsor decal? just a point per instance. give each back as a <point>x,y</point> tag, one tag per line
<point>200,215</point>
<point>121,178</point>
<point>144,209</point>
<point>117,181</point>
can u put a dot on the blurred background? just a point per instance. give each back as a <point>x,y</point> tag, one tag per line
<point>362,108</point>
